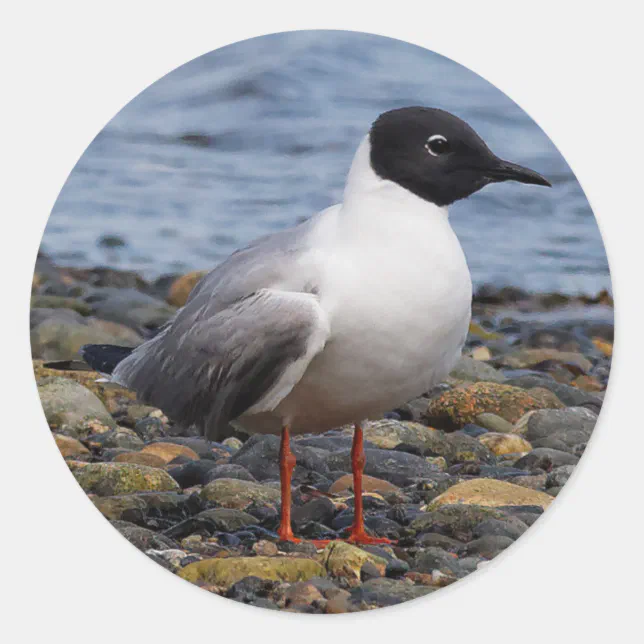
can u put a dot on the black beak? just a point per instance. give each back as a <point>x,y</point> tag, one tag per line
<point>506,171</point>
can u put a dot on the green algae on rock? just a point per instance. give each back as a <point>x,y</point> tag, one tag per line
<point>109,479</point>
<point>238,494</point>
<point>229,570</point>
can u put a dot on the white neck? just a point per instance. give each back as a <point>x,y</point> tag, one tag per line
<point>379,206</point>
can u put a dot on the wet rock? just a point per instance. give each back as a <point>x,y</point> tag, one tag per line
<point>70,446</point>
<point>560,429</point>
<point>342,559</point>
<point>169,451</point>
<point>546,459</point>
<point>182,286</point>
<point>229,471</point>
<point>472,370</point>
<point>237,494</point>
<point>109,479</point>
<point>73,410</point>
<point>260,456</point>
<point>500,444</point>
<point>369,484</point>
<point>227,571</point>
<point>386,592</point>
<point>460,406</point>
<point>398,468</point>
<point>491,493</point>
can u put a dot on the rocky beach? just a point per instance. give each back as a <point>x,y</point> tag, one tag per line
<point>454,476</point>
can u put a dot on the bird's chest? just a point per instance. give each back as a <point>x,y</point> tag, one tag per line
<point>398,313</point>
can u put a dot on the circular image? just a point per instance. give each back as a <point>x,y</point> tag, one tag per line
<point>321,322</point>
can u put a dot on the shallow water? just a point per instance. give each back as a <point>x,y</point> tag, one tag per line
<point>255,136</point>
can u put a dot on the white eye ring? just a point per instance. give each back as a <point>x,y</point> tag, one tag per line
<point>431,139</point>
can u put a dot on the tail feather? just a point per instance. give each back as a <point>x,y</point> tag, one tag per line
<point>104,357</point>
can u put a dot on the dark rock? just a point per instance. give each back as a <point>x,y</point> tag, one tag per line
<point>192,473</point>
<point>488,546</point>
<point>396,569</point>
<point>387,592</point>
<point>249,589</point>
<point>455,521</point>
<point>510,527</point>
<point>437,540</point>
<point>228,471</point>
<point>569,396</point>
<point>399,468</point>
<point>143,538</point>
<point>545,458</point>
<point>369,571</point>
<point>149,428</point>
<point>432,559</point>
<point>260,456</point>
<point>321,510</point>
<point>559,476</point>
<point>208,522</point>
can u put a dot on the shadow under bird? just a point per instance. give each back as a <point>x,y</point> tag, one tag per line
<point>348,315</point>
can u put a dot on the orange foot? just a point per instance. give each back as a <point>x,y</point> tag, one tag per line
<point>361,537</point>
<point>287,535</point>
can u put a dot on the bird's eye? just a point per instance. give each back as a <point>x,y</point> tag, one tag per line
<point>437,144</point>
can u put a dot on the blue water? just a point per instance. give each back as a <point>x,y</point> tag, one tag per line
<point>253,137</point>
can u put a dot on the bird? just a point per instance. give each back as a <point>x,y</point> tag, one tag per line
<point>337,320</point>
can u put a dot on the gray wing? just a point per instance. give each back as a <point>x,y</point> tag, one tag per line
<point>210,366</point>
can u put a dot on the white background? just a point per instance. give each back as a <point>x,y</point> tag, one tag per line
<point>68,67</point>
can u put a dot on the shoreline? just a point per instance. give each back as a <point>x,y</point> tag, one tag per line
<point>455,476</point>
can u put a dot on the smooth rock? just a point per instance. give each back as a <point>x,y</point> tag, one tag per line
<point>432,559</point>
<point>237,494</point>
<point>488,546</point>
<point>473,370</point>
<point>500,444</point>
<point>525,358</point>
<point>109,479</point>
<point>491,493</point>
<point>227,571</point>
<point>72,409</point>
<point>228,471</point>
<point>369,484</point>
<point>494,423</point>
<point>169,451</point>
<point>545,458</point>
<point>386,592</point>
<point>144,539</point>
<point>343,559</point>
<point>140,458</point>
<point>70,446</point>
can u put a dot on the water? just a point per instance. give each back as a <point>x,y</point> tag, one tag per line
<point>253,137</point>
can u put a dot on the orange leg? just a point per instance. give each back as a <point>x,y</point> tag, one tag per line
<point>287,464</point>
<point>358,533</point>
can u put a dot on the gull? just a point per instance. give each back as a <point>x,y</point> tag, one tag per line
<point>337,320</point>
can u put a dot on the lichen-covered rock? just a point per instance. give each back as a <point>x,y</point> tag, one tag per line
<point>491,493</point>
<point>500,444</point>
<point>109,479</point>
<point>72,409</point>
<point>342,559</point>
<point>238,494</point>
<point>227,571</point>
<point>455,408</point>
<point>114,398</point>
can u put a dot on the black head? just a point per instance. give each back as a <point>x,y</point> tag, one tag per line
<point>437,156</point>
